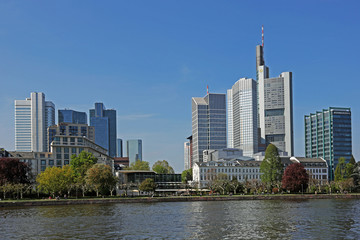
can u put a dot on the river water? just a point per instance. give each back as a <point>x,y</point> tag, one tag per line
<point>269,219</point>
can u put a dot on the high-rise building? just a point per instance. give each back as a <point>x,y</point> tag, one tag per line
<point>275,106</point>
<point>119,148</point>
<point>104,121</point>
<point>134,150</point>
<point>242,116</point>
<point>208,124</point>
<point>32,118</point>
<point>187,155</point>
<point>328,135</point>
<point>71,116</point>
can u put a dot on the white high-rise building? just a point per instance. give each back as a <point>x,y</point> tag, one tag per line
<point>243,111</point>
<point>275,106</point>
<point>33,116</point>
<point>187,164</point>
<point>229,119</point>
<point>208,124</point>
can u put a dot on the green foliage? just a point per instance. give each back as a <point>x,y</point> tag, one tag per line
<point>139,165</point>
<point>148,185</point>
<point>162,167</point>
<point>271,167</point>
<point>81,163</point>
<point>340,171</point>
<point>100,178</point>
<point>186,175</point>
<point>352,160</point>
<point>55,180</point>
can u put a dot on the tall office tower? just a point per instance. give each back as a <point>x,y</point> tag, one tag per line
<point>275,106</point>
<point>71,116</point>
<point>104,121</point>
<point>187,155</point>
<point>328,135</point>
<point>32,118</point>
<point>134,150</point>
<point>208,124</point>
<point>119,147</point>
<point>229,119</point>
<point>244,115</point>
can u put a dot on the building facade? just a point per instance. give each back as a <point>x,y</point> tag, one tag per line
<point>119,148</point>
<point>275,105</point>
<point>32,118</point>
<point>328,135</point>
<point>71,116</point>
<point>229,119</point>
<point>208,124</point>
<point>244,116</point>
<point>187,164</point>
<point>104,121</point>
<point>134,150</point>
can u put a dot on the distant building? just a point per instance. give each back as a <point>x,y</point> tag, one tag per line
<point>104,121</point>
<point>328,135</point>
<point>32,118</point>
<point>229,119</point>
<point>243,116</point>
<point>134,150</point>
<point>187,164</point>
<point>208,124</point>
<point>225,154</point>
<point>71,116</point>
<point>119,148</point>
<point>121,161</point>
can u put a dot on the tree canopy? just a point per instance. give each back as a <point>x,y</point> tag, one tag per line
<point>81,163</point>
<point>13,171</point>
<point>271,167</point>
<point>139,165</point>
<point>162,167</point>
<point>101,178</point>
<point>187,175</point>
<point>148,185</point>
<point>340,171</point>
<point>295,178</point>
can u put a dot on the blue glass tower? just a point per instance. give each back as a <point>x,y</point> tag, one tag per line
<point>104,122</point>
<point>134,150</point>
<point>119,147</point>
<point>71,116</point>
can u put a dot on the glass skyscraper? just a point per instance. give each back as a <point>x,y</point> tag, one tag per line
<point>208,124</point>
<point>119,147</point>
<point>134,150</point>
<point>33,116</point>
<point>328,135</point>
<point>104,121</point>
<point>71,116</point>
<point>242,116</point>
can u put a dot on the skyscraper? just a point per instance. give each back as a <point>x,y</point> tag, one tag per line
<point>229,119</point>
<point>32,118</point>
<point>328,135</point>
<point>134,150</point>
<point>119,147</point>
<point>71,116</point>
<point>275,106</point>
<point>186,155</point>
<point>242,116</point>
<point>104,121</point>
<point>208,124</point>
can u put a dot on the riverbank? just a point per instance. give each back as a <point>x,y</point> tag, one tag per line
<point>51,202</point>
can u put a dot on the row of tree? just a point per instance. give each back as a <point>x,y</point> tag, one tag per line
<point>160,167</point>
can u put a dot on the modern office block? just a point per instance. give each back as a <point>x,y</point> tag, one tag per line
<point>229,119</point>
<point>187,155</point>
<point>119,148</point>
<point>32,118</point>
<point>134,150</point>
<point>104,121</point>
<point>71,116</point>
<point>328,135</point>
<point>275,107</point>
<point>243,115</point>
<point>208,124</point>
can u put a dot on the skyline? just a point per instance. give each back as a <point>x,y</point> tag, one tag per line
<point>152,58</point>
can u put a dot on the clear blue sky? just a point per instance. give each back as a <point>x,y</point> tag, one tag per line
<point>146,59</point>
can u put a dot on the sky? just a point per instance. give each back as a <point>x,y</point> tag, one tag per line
<point>147,59</point>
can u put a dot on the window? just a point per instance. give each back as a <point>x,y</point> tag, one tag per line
<point>66,162</point>
<point>43,162</point>
<point>51,162</point>
<point>58,162</point>
<point>73,150</point>
<point>43,168</point>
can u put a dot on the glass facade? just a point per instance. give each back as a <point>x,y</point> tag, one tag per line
<point>208,124</point>
<point>71,116</point>
<point>328,135</point>
<point>119,147</point>
<point>134,150</point>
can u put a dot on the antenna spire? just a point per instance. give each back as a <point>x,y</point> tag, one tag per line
<point>262,35</point>
<point>207,89</point>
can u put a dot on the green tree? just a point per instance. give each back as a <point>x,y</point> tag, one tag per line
<point>101,178</point>
<point>221,183</point>
<point>350,166</point>
<point>148,185</point>
<point>139,165</point>
<point>186,175</point>
<point>55,180</point>
<point>162,167</point>
<point>271,167</point>
<point>235,186</point>
<point>340,171</point>
<point>80,165</point>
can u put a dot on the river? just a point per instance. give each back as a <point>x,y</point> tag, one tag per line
<point>269,219</point>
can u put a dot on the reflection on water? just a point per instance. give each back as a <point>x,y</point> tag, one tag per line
<point>319,219</point>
